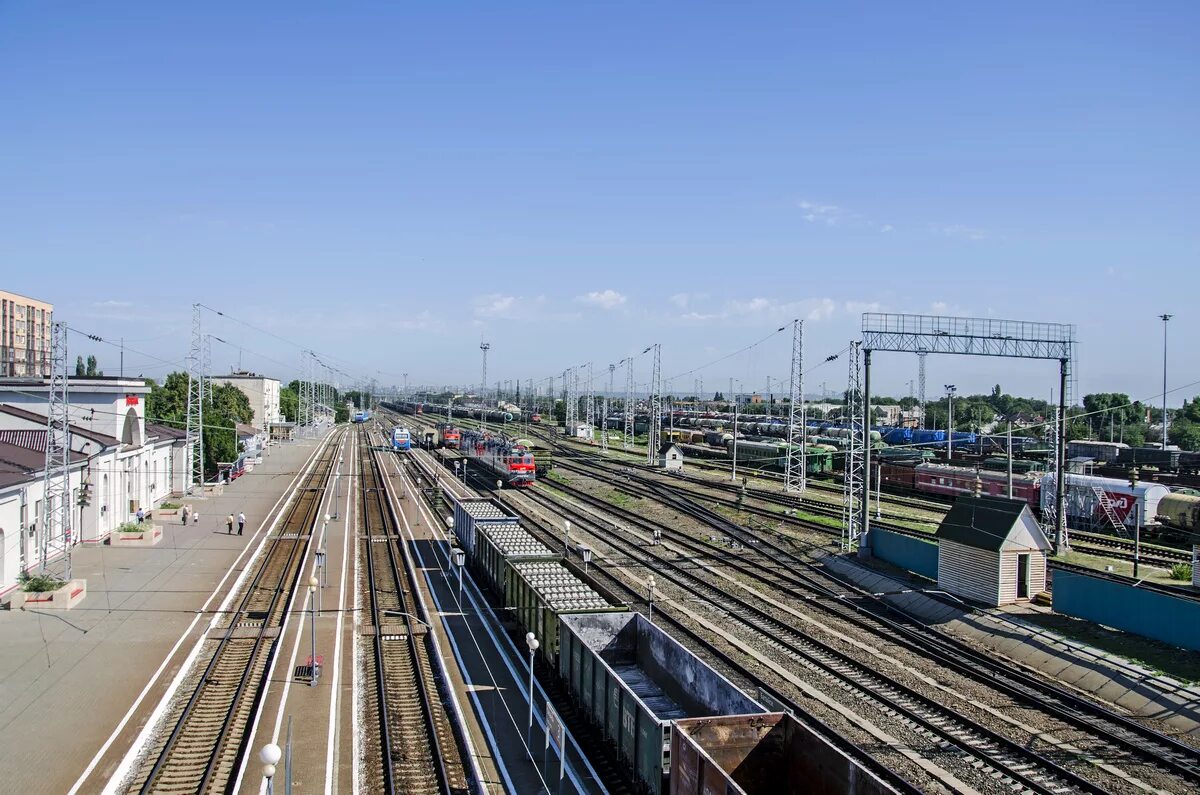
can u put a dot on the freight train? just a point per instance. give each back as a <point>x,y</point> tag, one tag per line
<point>502,457</point>
<point>635,684</point>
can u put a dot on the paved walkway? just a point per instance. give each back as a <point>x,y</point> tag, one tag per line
<point>69,678</point>
<point>1129,687</point>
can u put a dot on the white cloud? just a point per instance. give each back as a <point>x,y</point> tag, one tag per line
<point>495,305</point>
<point>111,304</point>
<point>858,307</point>
<point>604,299</point>
<point>759,310</point>
<point>960,231</point>
<point>684,300</point>
<point>821,213</point>
<point>886,228</point>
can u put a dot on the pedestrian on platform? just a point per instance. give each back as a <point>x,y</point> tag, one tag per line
<point>195,518</point>
<point>141,516</point>
<point>241,521</point>
<point>186,510</point>
<point>229,525</point>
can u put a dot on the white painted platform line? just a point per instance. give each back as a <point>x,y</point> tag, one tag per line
<point>135,750</point>
<point>335,685</point>
<point>252,747</point>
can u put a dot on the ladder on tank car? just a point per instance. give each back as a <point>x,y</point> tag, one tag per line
<point>1108,518</point>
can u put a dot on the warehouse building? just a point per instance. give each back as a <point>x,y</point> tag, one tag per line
<point>992,551</point>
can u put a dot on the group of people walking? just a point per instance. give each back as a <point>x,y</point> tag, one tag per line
<point>229,520</point>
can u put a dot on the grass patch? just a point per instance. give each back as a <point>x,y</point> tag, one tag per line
<point>619,499</point>
<point>557,477</point>
<point>1159,657</point>
<point>1146,572</point>
<point>1181,571</point>
<point>40,583</point>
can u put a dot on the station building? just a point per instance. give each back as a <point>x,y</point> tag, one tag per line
<point>119,463</point>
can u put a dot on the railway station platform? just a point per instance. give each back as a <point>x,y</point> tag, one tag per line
<point>76,687</point>
<point>1008,632</point>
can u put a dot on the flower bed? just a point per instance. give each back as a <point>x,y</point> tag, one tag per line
<point>136,534</point>
<point>45,593</point>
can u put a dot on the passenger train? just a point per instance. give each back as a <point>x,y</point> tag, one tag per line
<point>401,439</point>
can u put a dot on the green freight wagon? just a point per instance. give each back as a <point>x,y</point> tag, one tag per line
<point>538,591</point>
<point>497,544</point>
<point>633,680</point>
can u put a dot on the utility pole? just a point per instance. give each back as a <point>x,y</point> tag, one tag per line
<point>612,369</point>
<point>55,525</point>
<point>195,404</point>
<point>654,432</point>
<point>591,402</point>
<point>797,416</point>
<point>950,390</point>
<point>1165,318</point>
<point>629,421</point>
<point>921,354</point>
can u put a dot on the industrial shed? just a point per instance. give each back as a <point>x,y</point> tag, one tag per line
<point>991,550</point>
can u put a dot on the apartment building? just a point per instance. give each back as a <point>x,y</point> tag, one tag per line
<point>261,391</point>
<point>24,335</point>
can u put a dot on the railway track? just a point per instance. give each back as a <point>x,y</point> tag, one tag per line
<point>775,564</point>
<point>207,735</point>
<point>417,749</point>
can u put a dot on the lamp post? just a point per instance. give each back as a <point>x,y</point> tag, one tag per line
<point>1137,520</point>
<point>532,642</point>
<point>460,560</point>
<point>950,390</point>
<point>456,463</point>
<point>337,488</point>
<point>566,537</point>
<point>586,552</point>
<point>312,613</point>
<point>650,596</point>
<point>269,756</point>
<point>1165,318</point>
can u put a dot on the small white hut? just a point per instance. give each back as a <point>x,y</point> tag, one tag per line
<point>992,550</point>
<point>670,456</point>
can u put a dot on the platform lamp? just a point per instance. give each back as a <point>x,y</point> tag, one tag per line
<point>337,488</point>
<point>586,552</point>
<point>312,613</point>
<point>567,537</point>
<point>532,642</point>
<point>270,756</point>
<point>650,596</point>
<point>460,560</point>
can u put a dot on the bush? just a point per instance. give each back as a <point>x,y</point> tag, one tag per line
<point>1181,571</point>
<point>170,506</point>
<point>131,527</point>
<point>40,583</point>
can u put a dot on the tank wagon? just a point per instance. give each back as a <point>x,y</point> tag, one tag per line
<point>1180,511</point>
<point>633,681</point>
<point>1085,509</point>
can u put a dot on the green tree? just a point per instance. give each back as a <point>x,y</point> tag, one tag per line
<point>167,404</point>
<point>91,367</point>
<point>79,367</point>
<point>1185,433</point>
<point>289,403</point>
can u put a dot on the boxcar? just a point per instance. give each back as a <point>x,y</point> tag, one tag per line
<point>633,680</point>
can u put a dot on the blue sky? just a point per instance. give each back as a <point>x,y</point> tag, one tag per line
<point>388,182</point>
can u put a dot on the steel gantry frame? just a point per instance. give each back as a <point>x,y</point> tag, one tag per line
<point>54,544</point>
<point>971,336</point>
<point>921,356</point>
<point>797,405</point>
<point>591,402</point>
<point>195,404</point>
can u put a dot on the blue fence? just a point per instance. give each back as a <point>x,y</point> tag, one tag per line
<point>1153,614</point>
<point>913,554</point>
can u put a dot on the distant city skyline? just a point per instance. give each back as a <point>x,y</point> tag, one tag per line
<point>390,185</point>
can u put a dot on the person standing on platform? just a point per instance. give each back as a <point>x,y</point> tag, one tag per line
<point>186,510</point>
<point>141,516</point>
<point>229,525</point>
<point>241,521</point>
